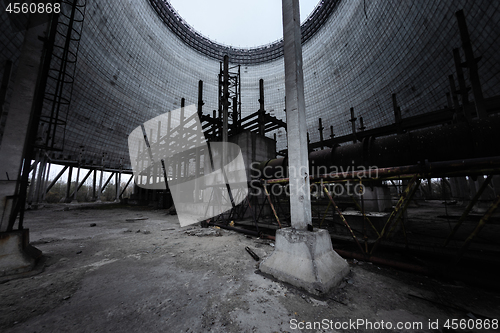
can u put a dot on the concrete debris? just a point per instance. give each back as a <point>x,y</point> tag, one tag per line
<point>316,302</point>
<point>204,232</point>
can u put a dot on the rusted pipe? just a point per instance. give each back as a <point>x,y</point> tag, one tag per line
<point>243,231</point>
<point>342,217</point>
<point>271,204</point>
<point>450,142</point>
<point>427,169</point>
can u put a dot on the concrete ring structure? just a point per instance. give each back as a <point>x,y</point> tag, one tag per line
<point>132,67</point>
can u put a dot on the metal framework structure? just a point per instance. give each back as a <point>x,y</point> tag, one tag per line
<point>51,102</point>
<point>391,228</point>
<point>270,208</point>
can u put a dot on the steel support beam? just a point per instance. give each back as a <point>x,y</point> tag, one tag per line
<point>56,179</point>
<point>471,64</point>
<point>468,209</point>
<point>68,184</point>
<point>261,121</point>
<point>107,182</point>
<point>123,190</point>
<point>79,185</point>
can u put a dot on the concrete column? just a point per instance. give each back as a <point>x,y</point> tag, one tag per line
<point>118,179</point>
<point>99,191</point>
<point>14,142</point>
<point>303,258</point>
<point>94,185</point>
<point>68,185</point>
<point>76,183</point>
<point>300,199</point>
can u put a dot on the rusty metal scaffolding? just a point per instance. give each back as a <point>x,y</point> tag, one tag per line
<point>394,227</point>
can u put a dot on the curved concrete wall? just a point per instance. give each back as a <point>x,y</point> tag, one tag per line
<point>131,68</point>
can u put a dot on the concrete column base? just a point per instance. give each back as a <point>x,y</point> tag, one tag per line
<point>306,260</point>
<point>16,254</point>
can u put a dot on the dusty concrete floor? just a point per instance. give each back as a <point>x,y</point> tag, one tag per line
<point>137,270</point>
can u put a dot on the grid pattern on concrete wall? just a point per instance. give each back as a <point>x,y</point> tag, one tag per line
<point>404,47</point>
<point>256,55</point>
<point>131,68</point>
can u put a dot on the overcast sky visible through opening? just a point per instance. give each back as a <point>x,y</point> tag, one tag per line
<point>238,22</point>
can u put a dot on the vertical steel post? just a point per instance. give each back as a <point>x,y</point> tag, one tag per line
<point>77,175</point>
<point>158,138</point>
<point>236,124</point>
<point>101,178</point>
<point>94,185</point>
<point>353,125</point>
<point>68,185</point>
<point>40,178</point>
<point>361,124</point>
<point>471,63</point>
<point>33,176</point>
<point>397,113</point>
<point>200,99</point>
<point>454,97</point>
<point>463,89</point>
<point>225,99</point>
<point>261,121</point>
<point>47,176</point>
<point>320,129</point>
